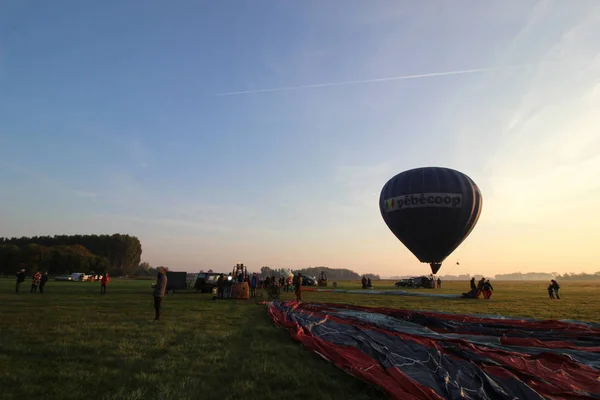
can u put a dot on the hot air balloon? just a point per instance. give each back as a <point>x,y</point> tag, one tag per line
<point>431,210</point>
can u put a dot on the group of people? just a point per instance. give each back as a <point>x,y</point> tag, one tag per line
<point>366,283</point>
<point>483,287</point>
<point>289,284</point>
<point>224,285</point>
<point>272,284</point>
<point>38,280</point>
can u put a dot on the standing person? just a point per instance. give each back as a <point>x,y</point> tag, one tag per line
<point>228,286</point>
<point>439,283</point>
<point>20,279</point>
<point>556,288</point>
<point>253,286</point>
<point>103,282</point>
<point>35,281</point>
<point>480,286</point>
<point>159,291</point>
<point>286,285</point>
<point>550,291</point>
<point>487,289</point>
<point>221,286</point>
<point>43,281</point>
<point>298,287</point>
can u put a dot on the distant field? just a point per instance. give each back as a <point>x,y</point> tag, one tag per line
<point>72,343</point>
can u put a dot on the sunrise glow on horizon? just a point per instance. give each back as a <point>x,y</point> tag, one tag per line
<point>263,133</point>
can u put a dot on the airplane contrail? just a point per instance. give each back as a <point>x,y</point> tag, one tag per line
<point>393,78</point>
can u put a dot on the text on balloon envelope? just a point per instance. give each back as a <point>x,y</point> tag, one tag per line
<point>418,200</point>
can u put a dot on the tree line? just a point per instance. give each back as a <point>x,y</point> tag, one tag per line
<point>116,254</point>
<point>334,274</point>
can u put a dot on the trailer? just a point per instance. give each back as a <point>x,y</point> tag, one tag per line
<point>176,281</point>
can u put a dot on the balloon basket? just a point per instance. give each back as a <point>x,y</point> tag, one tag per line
<point>240,290</point>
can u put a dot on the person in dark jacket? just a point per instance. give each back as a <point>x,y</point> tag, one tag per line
<point>487,290</point>
<point>221,286</point>
<point>298,287</point>
<point>159,291</point>
<point>20,279</point>
<point>43,281</point>
<point>550,291</point>
<point>556,288</point>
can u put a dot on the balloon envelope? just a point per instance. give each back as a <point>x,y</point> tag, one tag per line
<point>431,210</point>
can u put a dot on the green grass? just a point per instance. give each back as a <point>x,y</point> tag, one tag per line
<point>72,343</point>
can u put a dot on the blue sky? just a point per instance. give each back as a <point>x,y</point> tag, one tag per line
<point>112,119</point>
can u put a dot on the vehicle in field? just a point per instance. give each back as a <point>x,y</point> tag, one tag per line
<point>78,277</point>
<point>308,281</point>
<point>176,281</point>
<point>63,278</point>
<point>414,282</point>
<point>206,281</point>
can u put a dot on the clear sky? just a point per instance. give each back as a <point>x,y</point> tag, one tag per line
<point>113,119</point>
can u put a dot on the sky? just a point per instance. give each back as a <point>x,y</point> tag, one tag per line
<point>262,132</point>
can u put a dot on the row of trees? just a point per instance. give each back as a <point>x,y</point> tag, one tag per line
<point>332,273</point>
<point>579,277</point>
<point>116,254</point>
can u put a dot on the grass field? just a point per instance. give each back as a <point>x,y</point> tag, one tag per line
<point>72,343</point>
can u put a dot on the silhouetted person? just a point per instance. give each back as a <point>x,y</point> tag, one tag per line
<point>487,289</point>
<point>550,291</point>
<point>439,283</point>
<point>473,286</point>
<point>556,288</point>
<point>228,286</point>
<point>159,291</point>
<point>43,281</point>
<point>220,286</point>
<point>298,286</point>
<point>20,279</point>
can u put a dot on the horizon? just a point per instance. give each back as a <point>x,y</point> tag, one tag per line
<point>265,133</point>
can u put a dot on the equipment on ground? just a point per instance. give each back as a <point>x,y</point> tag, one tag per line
<point>439,355</point>
<point>239,287</point>
<point>240,273</point>
<point>240,290</point>
<point>176,281</point>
